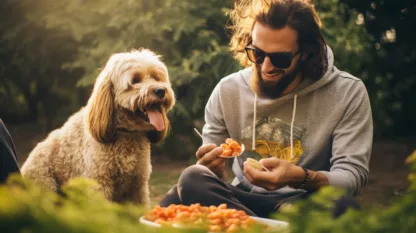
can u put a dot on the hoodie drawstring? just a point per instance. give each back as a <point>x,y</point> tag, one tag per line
<point>253,143</point>
<point>291,126</point>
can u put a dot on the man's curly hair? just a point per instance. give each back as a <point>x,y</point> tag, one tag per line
<point>300,15</point>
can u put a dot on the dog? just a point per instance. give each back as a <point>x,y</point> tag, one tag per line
<point>109,139</point>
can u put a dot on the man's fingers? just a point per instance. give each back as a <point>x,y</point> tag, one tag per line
<point>210,156</point>
<point>204,149</point>
<point>250,172</point>
<point>270,162</point>
<point>251,175</point>
<point>257,176</point>
<point>216,162</point>
<point>247,172</point>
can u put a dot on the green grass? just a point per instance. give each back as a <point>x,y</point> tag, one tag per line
<point>163,177</point>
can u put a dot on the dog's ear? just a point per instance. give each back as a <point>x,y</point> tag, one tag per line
<point>100,115</point>
<point>156,136</point>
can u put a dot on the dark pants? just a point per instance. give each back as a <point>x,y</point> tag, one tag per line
<point>197,184</point>
<point>8,160</point>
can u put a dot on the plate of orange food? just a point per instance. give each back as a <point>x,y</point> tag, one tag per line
<point>212,218</point>
<point>231,148</point>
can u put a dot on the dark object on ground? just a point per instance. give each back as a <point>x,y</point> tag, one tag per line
<point>8,159</point>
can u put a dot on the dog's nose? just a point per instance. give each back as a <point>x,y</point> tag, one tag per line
<point>160,92</point>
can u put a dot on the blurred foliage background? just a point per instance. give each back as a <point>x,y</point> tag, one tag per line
<point>52,51</point>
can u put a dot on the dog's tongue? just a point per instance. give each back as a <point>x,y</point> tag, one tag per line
<point>156,119</point>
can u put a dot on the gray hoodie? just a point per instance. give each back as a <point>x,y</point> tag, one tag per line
<point>324,126</point>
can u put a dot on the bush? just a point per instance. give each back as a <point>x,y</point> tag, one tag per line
<point>25,207</point>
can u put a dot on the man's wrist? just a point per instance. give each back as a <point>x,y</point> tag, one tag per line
<point>296,176</point>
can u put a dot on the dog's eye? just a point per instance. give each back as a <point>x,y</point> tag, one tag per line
<point>135,79</point>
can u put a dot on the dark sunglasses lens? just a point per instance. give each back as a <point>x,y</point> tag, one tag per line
<point>255,55</point>
<point>282,61</point>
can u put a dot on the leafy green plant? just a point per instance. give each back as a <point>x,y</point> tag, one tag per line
<point>25,207</point>
<point>314,215</point>
<point>28,208</point>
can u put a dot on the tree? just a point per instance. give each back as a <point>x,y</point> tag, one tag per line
<point>191,36</point>
<point>393,54</point>
<point>65,43</point>
<point>33,81</point>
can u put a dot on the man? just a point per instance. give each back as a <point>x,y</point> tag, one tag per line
<point>310,122</point>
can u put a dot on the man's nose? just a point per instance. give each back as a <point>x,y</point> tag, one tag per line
<point>160,92</point>
<point>267,65</point>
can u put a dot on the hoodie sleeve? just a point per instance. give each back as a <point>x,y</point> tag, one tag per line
<point>215,130</point>
<point>352,143</point>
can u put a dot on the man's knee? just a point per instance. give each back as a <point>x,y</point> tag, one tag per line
<point>194,174</point>
<point>194,178</point>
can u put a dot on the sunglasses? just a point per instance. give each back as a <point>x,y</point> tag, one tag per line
<point>281,60</point>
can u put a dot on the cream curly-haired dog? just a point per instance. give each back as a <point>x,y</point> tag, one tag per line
<point>109,139</point>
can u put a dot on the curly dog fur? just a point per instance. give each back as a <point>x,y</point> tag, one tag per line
<point>109,139</point>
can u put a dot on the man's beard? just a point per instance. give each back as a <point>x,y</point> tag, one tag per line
<point>276,90</point>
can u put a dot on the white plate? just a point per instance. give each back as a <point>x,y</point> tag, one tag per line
<point>149,223</point>
<point>271,222</point>
<point>275,224</point>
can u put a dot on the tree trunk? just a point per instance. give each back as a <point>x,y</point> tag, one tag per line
<point>32,103</point>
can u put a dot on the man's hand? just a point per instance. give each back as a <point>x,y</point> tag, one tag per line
<point>208,155</point>
<point>281,173</point>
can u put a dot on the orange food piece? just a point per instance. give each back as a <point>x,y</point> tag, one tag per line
<point>227,152</point>
<point>214,228</point>
<point>233,228</point>
<point>234,145</point>
<point>222,206</point>
<point>230,148</point>
<point>213,218</point>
